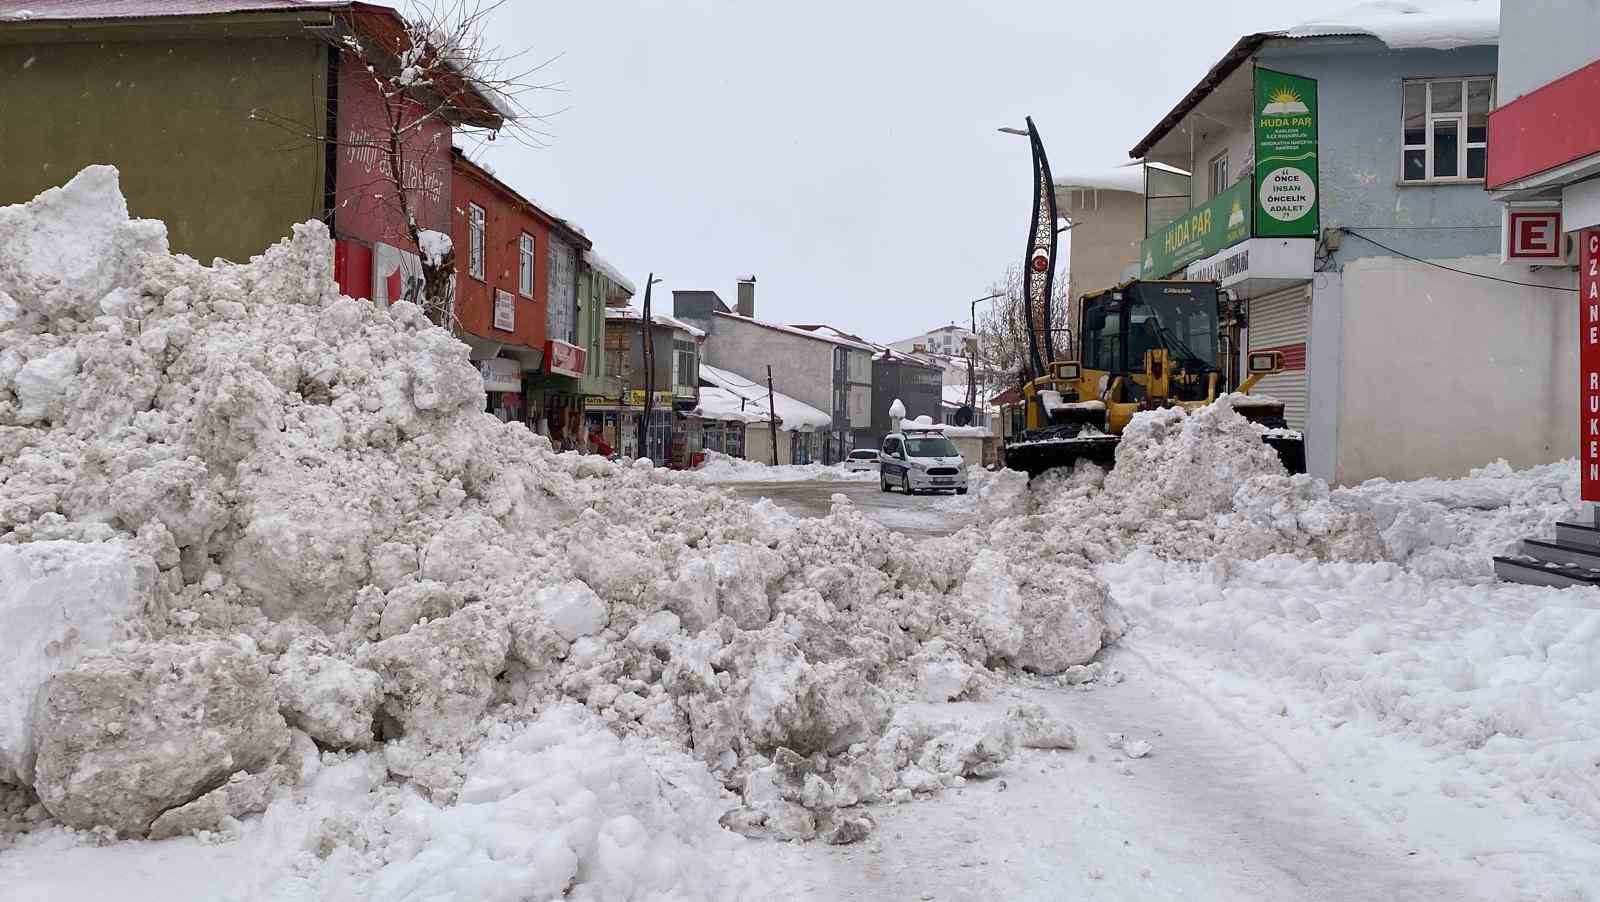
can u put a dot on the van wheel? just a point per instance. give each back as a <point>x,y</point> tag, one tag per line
<point>883,484</point>
<point>905,483</point>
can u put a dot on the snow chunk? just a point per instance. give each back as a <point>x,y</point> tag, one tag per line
<point>436,246</point>
<point>573,609</point>
<point>59,601</point>
<point>42,383</point>
<point>129,734</point>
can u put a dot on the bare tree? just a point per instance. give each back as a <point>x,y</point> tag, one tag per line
<point>434,77</point>
<point>1003,333</point>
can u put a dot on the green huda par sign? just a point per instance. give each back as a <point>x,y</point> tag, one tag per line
<point>1221,222</point>
<point>1286,155</point>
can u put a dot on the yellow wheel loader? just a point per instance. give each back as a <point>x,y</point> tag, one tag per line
<point>1141,346</point>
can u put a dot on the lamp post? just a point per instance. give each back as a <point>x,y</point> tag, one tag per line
<point>1039,260</point>
<point>972,352</point>
<point>647,351</point>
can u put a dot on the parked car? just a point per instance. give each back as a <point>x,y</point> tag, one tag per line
<point>862,459</point>
<point>916,460</point>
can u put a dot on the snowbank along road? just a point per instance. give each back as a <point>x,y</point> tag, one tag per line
<point>284,615</point>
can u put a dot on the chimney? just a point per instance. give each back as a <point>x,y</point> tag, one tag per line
<point>746,306</point>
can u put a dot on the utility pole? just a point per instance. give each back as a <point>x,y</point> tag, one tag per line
<point>972,352</point>
<point>772,415</point>
<point>647,349</point>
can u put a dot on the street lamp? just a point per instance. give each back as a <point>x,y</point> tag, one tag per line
<point>647,350</point>
<point>972,351</point>
<point>1039,259</point>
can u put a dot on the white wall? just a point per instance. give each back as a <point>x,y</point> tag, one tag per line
<point>1444,372</point>
<point>1542,40</point>
<point>1324,374</point>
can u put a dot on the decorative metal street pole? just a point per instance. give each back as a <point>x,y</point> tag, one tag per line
<point>1039,261</point>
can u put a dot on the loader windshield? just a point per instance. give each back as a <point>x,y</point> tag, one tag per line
<point>1185,328</point>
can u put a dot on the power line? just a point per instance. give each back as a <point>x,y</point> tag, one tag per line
<point>1475,275</point>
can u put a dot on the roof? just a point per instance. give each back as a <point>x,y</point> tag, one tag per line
<point>458,157</point>
<point>1399,24</point>
<point>83,10</point>
<point>605,268</point>
<point>660,319</point>
<point>833,332</point>
<point>1128,177</point>
<point>470,101</point>
<point>794,330</point>
<point>906,358</point>
<point>733,394</point>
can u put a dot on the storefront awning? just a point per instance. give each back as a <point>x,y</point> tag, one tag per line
<point>1258,265</point>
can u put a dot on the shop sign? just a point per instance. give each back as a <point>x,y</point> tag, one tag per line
<point>636,398</point>
<point>1532,235</point>
<point>1286,155</point>
<point>501,374</point>
<point>565,359</point>
<point>1589,361</point>
<point>505,310</point>
<point>1225,268</point>
<point>1222,222</point>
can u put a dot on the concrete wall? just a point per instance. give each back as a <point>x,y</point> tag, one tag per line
<point>1107,228</point>
<point>1358,92</point>
<point>1444,372</point>
<point>1542,41</point>
<point>802,368</point>
<point>891,380</point>
<point>171,109</point>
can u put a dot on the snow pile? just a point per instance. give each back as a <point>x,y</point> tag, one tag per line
<point>259,520</point>
<point>1189,486</point>
<point>720,467</point>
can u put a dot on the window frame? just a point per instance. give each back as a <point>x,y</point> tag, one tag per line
<point>477,235</point>
<point>1460,118</point>
<point>527,246</point>
<point>1219,185</point>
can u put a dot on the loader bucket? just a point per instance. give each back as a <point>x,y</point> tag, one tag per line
<point>1035,457</point>
<point>1291,450</point>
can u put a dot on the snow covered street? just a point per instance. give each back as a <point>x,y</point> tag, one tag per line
<point>286,616</point>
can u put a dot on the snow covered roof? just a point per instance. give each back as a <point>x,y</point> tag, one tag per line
<point>792,414</point>
<point>1399,24</point>
<point>1405,24</point>
<point>795,330</point>
<point>605,268</point>
<point>907,357</point>
<point>49,10</point>
<point>833,332</point>
<point>660,319</point>
<point>1129,178</point>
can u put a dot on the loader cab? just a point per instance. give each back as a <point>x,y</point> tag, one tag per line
<point>1120,326</point>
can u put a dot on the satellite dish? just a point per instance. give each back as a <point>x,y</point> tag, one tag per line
<point>964,416</point>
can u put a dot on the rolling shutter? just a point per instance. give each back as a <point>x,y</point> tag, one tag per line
<point>1281,321</point>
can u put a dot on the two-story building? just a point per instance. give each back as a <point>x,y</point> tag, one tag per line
<point>231,122</point>
<point>1337,188</point>
<point>819,367</point>
<point>515,264</point>
<point>614,414</point>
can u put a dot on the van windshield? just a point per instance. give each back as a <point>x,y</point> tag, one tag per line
<point>931,446</point>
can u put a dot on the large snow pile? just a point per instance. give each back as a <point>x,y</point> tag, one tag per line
<point>244,519</point>
<point>1188,486</point>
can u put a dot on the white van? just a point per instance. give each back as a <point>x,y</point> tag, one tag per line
<point>921,460</point>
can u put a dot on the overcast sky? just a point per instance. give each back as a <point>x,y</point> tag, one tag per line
<point>843,151</point>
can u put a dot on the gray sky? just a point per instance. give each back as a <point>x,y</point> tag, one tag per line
<point>844,151</point>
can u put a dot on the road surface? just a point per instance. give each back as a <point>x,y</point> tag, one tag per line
<point>916,515</point>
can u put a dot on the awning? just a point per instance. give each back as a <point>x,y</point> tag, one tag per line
<point>1258,265</point>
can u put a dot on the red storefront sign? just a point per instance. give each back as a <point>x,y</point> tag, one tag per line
<point>1545,128</point>
<point>565,359</point>
<point>1589,362</point>
<point>1533,236</point>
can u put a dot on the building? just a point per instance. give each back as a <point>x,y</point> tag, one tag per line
<point>1338,190</point>
<point>671,435</point>
<point>949,340</point>
<point>736,420</point>
<point>1544,167</point>
<point>516,301</point>
<point>605,287</point>
<point>1107,211</point>
<point>819,367</point>
<point>916,383</point>
<point>243,95</point>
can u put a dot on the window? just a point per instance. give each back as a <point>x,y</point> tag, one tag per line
<point>562,313</point>
<point>685,374</point>
<point>619,352</point>
<point>891,446</point>
<point>1445,128</point>
<point>475,241</point>
<point>525,265</point>
<point>1219,174</point>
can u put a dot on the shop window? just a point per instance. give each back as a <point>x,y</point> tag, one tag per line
<point>475,241</point>
<point>525,265</point>
<point>1444,132</point>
